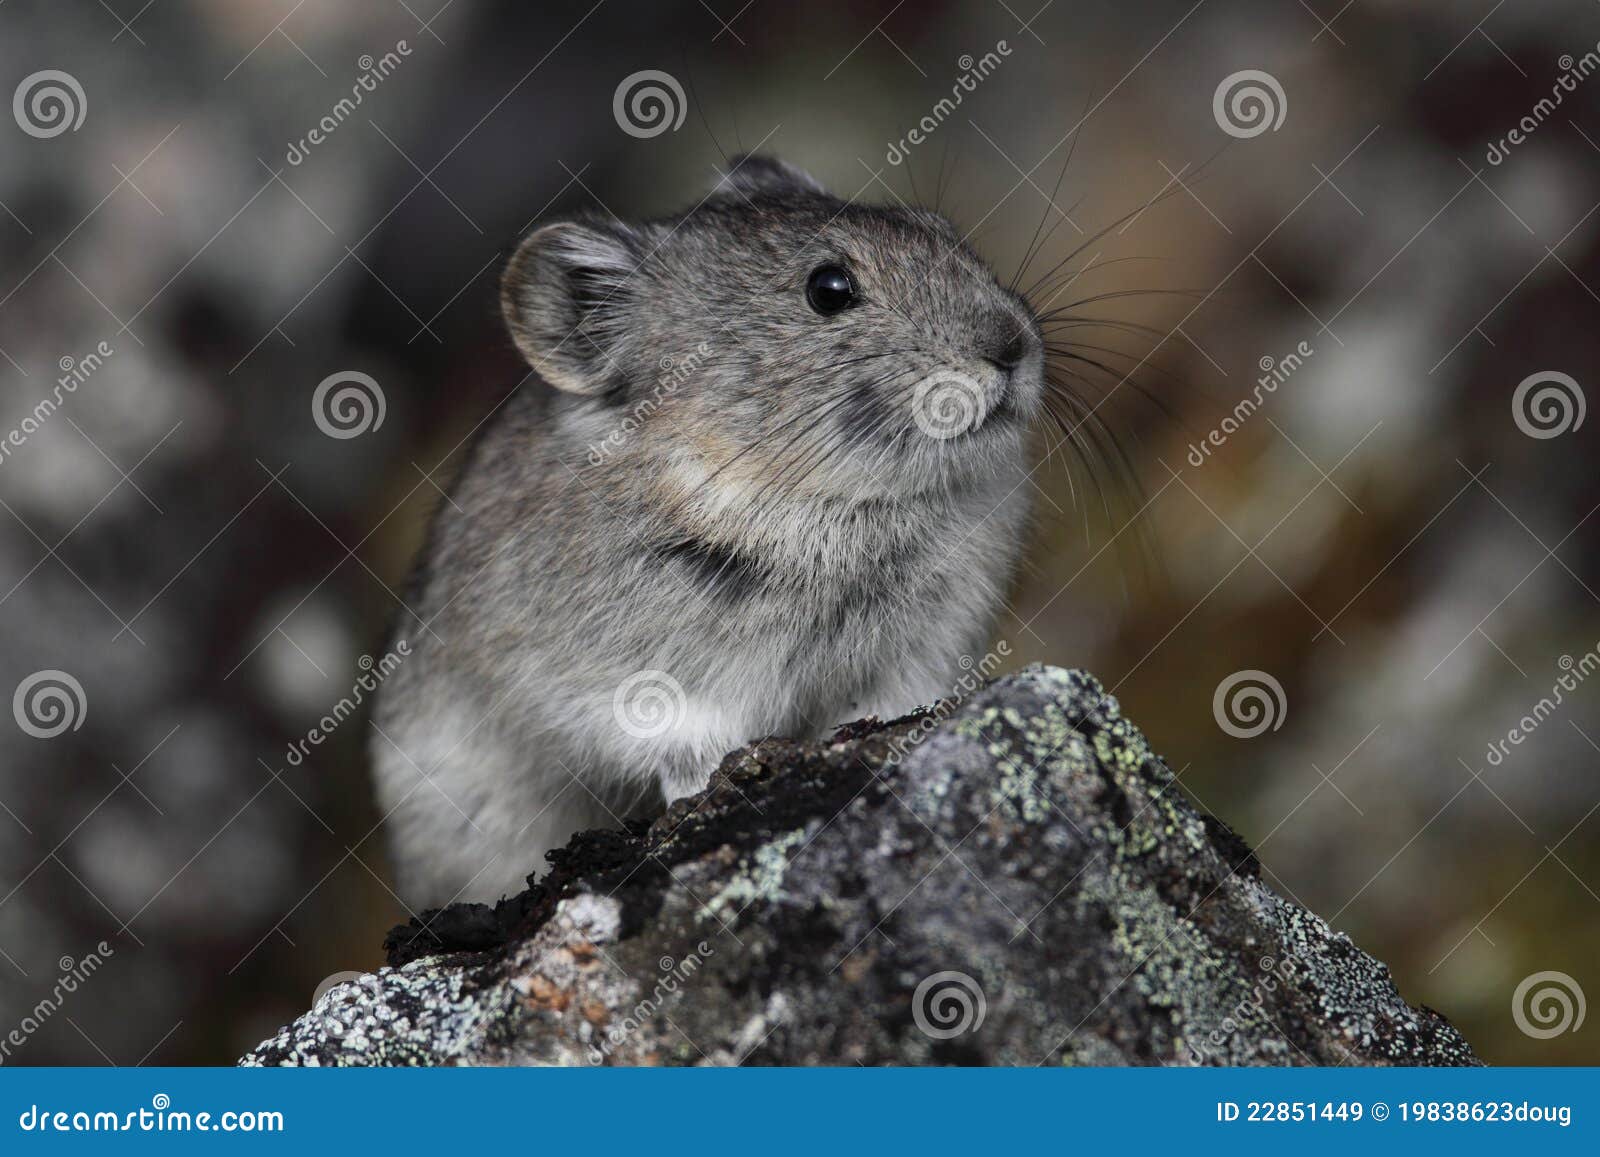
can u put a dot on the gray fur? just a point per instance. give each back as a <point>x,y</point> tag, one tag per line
<point>774,532</point>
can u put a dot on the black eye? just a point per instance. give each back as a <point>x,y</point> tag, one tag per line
<point>829,289</point>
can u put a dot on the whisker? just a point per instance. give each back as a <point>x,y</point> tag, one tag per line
<point>1030,253</point>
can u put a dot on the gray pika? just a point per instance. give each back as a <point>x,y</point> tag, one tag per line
<point>778,484</point>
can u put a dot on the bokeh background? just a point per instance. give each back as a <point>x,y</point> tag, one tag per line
<point>1383,537</point>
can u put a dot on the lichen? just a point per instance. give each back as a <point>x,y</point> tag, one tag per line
<point>1030,842</point>
<point>759,876</point>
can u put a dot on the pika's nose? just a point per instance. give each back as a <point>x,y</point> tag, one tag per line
<point>1005,342</point>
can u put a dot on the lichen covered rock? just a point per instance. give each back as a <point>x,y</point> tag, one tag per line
<point>1016,879</point>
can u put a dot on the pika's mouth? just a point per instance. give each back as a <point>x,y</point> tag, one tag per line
<point>1004,410</point>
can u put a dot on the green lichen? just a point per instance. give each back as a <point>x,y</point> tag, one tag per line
<point>759,876</point>
<point>1174,967</point>
<point>1145,947</point>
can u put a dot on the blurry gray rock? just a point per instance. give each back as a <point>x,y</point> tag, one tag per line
<point>1012,880</point>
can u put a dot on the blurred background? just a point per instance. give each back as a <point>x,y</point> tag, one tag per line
<point>1392,542</point>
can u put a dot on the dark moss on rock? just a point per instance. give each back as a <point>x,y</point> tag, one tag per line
<point>1013,880</point>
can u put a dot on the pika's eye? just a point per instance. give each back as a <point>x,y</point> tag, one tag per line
<point>829,289</point>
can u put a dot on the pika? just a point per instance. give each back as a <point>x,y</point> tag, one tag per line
<point>774,479</point>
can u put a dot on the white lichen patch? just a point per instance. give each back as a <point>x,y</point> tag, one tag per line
<point>1153,939</point>
<point>759,876</point>
<point>599,918</point>
<point>423,1013</point>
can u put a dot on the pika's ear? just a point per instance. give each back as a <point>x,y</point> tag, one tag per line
<point>751,174</point>
<point>566,296</point>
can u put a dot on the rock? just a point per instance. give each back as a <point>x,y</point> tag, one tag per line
<point>1015,879</point>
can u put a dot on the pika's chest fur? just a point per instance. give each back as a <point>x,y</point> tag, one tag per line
<point>790,624</point>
